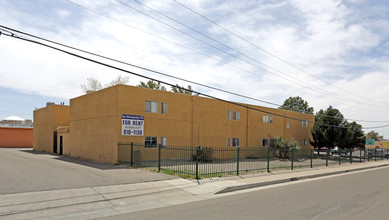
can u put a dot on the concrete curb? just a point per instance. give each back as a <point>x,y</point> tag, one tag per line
<point>312,176</point>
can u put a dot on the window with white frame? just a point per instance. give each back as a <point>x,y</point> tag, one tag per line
<point>151,107</point>
<point>150,141</point>
<point>228,142</point>
<point>287,125</point>
<point>163,108</point>
<point>235,115</point>
<point>304,142</point>
<point>235,142</point>
<point>304,123</point>
<point>163,141</point>
<point>267,119</point>
<point>228,115</point>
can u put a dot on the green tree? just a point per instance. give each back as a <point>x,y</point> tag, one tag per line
<point>359,138</point>
<point>374,135</point>
<point>181,89</point>
<point>152,85</point>
<point>282,147</point>
<point>297,104</point>
<point>327,130</point>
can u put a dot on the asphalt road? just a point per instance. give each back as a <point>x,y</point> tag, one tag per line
<point>23,170</point>
<point>362,195</point>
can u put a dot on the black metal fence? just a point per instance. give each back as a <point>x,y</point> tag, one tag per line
<point>206,162</point>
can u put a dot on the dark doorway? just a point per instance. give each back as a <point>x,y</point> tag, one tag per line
<point>60,145</point>
<point>55,143</point>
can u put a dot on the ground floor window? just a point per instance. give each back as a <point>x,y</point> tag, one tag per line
<point>150,141</point>
<point>304,142</point>
<point>235,142</point>
<point>265,142</point>
<point>163,141</point>
<point>228,142</point>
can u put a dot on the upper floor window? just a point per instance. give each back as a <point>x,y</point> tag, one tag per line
<point>228,115</point>
<point>304,123</point>
<point>151,107</point>
<point>287,125</point>
<point>235,115</point>
<point>164,108</point>
<point>267,119</point>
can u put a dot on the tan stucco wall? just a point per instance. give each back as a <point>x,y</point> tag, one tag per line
<point>94,122</point>
<point>379,144</point>
<point>46,121</point>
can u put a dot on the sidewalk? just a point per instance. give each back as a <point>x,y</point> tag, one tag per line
<point>103,201</point>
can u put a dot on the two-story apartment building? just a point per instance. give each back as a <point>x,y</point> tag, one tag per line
<point>102,119</point>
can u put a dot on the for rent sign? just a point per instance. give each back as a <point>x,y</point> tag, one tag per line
<point>132,125</point>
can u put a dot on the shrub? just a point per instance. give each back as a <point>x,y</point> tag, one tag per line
<point>205,154</point>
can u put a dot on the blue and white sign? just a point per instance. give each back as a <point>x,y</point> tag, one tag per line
<point>370,141</point>
<point>132,125</point>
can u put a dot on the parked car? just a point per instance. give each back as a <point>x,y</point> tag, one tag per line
<point>336,151</point>
<point>323,149</point>
<point>378,153</point>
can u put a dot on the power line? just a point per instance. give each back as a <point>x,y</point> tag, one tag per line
<point>139,67</point>
<point>206,55</point>
<point>230,48</point>
<point>169,41</point>
<point>143,68</point>
<point>166,83</point>
<point>164,74</point>
<point>271,54</point>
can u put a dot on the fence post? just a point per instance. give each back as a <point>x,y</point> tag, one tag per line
<point>159,157</point>
<point>197,163</point>
<point>351,155</point>
<point>340,156</point>
<point>311,156</point>
<point>382,154</point>
<point>375,154</point>
<point>237,160</point>
<point>268,159</point>
<point>132,154</point>
<point>368,158</point>
<point>292,159</point>
<point>360,155</point>
<point>326,157</point>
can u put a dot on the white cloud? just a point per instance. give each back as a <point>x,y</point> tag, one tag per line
<point>327,39</point>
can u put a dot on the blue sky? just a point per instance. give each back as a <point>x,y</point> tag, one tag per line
<point>341,49</point>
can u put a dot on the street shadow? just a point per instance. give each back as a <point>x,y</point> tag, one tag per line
<point>91,163</point>
<point>80,161</point>
<point>31,151</point>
